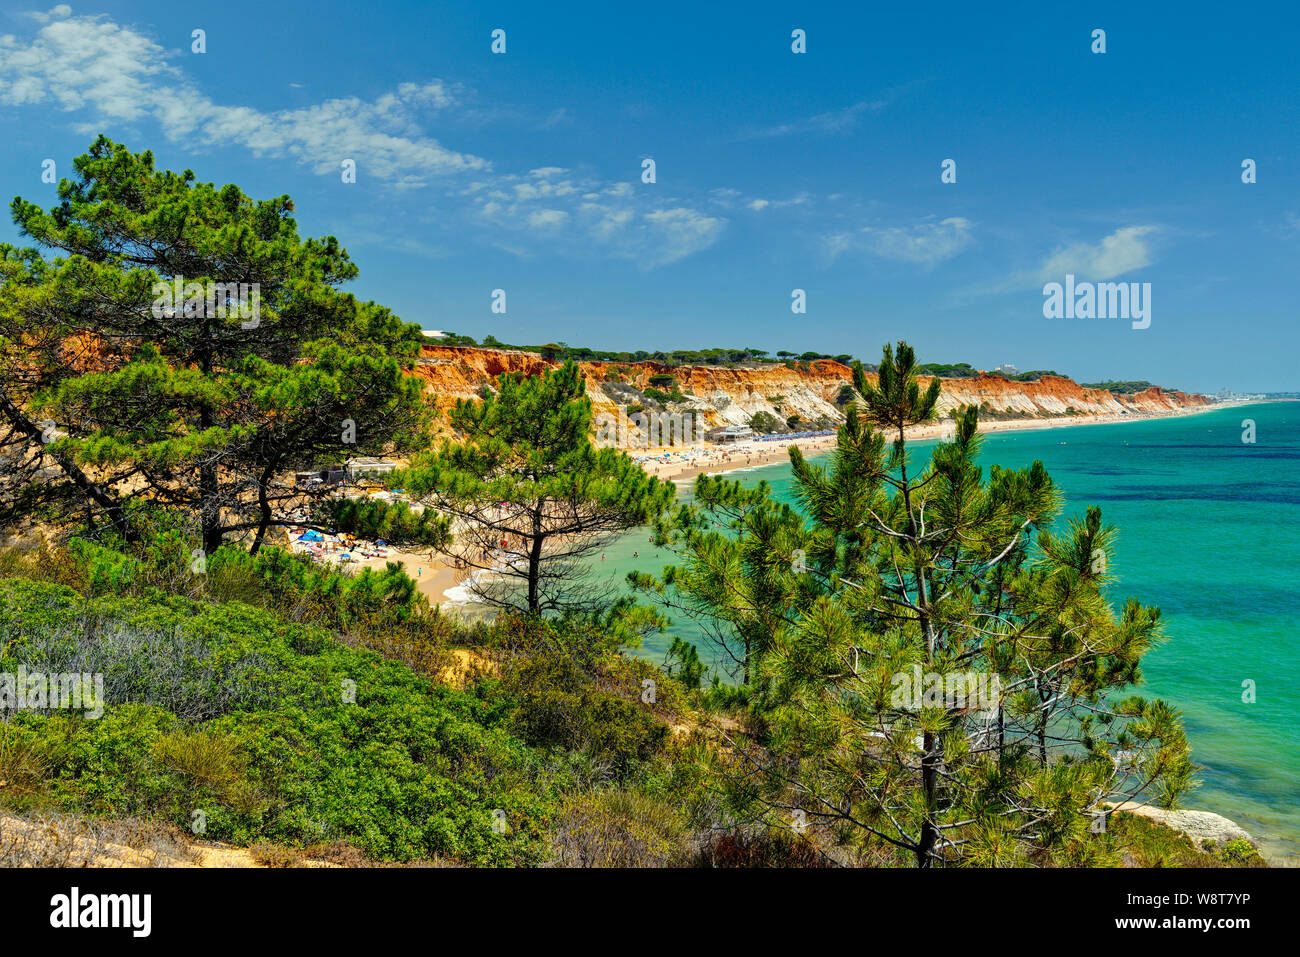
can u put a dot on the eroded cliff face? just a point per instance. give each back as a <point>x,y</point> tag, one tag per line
<point>1055,395</point>
<point>720,396</point>
<point>725,396</point>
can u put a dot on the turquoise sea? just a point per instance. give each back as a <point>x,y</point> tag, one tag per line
<point>1209,530</point>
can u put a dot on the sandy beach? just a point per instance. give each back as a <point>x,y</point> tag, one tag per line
<point>433,574</point>
<point>683,463</point>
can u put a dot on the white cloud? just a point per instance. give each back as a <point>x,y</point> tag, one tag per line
<point>103,74</point>
<point>729,199</point>
<point>547,218</point>
<point>837,244</point>
<point>823,124</point>
<point>60,12</point>
<point>92,65</point>
<point>1123,251</point>
<point>674,234</point>
<point>614,218</point>
<point>605,223</point>
<point>925,243</point>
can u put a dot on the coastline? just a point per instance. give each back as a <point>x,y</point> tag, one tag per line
<point>435,575</point>
<point>682,464</point>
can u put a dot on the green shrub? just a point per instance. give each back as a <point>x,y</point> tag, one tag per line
<point>24,763</point>
<point>658,395</point>
<point>1240,853</point>
<point>618,829</point>
<point>229,710</point>
<point>748,849</point>
<point>1142,842</point>
<point>210,760</point>
<point>560,706</point>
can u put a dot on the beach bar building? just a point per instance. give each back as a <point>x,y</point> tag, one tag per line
<point>729,433</point>
<point>344,474</point>
<point>359,467</point>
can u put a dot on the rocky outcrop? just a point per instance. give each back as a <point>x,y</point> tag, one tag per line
<point>1203,827</point>
<point>731,396</point>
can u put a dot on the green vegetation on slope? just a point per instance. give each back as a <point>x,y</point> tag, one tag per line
<point>270,727</point>
<point>1122,387</point>
<point>677,357</point>
<point>245,720</point>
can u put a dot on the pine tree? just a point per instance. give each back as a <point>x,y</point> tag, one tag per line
<point>530,497</point>
<point>190,348</point>
<point>930,667</point>
<point>38,474</point>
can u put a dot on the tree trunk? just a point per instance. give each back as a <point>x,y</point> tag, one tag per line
<point>92,491</point>
<point>210,508</point>
<point>535,561</point>
<point>929,775</point>
<point>209,486</point>
<point>929,760</point>
<point>264,507</point>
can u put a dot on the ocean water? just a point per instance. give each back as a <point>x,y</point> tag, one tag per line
<point>1209,530</point>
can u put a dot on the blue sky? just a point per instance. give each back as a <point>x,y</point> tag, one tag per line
<point>774,170</point>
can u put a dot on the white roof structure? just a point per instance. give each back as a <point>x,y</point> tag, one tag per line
<point>362,466</point>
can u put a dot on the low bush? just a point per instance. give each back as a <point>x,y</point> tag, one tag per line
<point>618,829</point>
<point>743,849</point>
<point>272,730</point>
<point>558,706</point>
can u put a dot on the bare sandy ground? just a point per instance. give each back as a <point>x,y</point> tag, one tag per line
<point>87,842</point>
